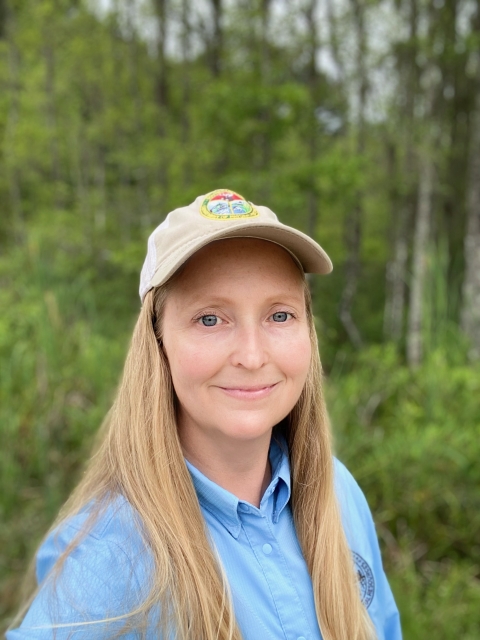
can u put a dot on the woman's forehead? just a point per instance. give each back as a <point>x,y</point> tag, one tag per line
<point>242,255</point>
<point>236,261</point>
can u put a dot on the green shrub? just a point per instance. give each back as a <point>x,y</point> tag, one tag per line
<point>412,441</point>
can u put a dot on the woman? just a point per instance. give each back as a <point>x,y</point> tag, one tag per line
<point>213,508</point>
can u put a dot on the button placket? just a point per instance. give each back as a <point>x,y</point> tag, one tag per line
<point>273,565</point>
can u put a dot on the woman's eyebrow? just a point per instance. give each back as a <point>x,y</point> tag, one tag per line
<point>216,300</point>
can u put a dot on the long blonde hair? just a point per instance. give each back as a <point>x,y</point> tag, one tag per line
<point>139,456</point>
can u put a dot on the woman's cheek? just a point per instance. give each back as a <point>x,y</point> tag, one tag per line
<point>196,363</point>
<point>294,353</point>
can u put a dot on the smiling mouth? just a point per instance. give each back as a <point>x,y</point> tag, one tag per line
<point>249,393</point>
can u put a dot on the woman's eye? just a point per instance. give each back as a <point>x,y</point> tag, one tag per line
<point>209,320</point>
<point>281,316</point>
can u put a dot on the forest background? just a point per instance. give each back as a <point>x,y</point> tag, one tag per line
<point>357,121</point>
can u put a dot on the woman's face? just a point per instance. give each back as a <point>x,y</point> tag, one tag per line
<point>236,336</point>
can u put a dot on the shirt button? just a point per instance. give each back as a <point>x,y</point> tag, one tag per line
<point>301,638</point>
<point>244,508</point>
<point>267,550</point>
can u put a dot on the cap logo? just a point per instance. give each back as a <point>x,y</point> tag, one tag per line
<point>223,204</point>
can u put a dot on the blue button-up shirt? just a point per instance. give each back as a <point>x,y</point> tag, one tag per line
<point>269,582</point>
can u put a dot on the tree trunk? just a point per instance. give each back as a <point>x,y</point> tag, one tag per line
<point>312,200</point>
<point>402,202</point>
<point>216,47</point>
<point>161,9</point>
<point>419,265</point>
<point>163,99</point>
<point>352,268</point>
<point>353,229</point>
<point>265,78</point>
<point>3,19</point>
<point>396,279</point>
<point>264,43</point>
<point>142,174</point>
<point>100,209</point>
<point>186,89</point>
<point>51,115</point>
<point>262,155</point>
<point>423,214</point>
<point>470,317</point>
<point>333,38</point>
<point>13,169</point>
<point>397,266</point>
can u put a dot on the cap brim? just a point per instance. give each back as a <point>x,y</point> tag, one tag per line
<point>311,256</point>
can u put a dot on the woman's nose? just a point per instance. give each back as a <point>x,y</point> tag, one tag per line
<point>250,349</point>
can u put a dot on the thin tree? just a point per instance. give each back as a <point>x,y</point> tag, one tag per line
<point>334,38</point>
<point>50,96</point>
<point>470,316</point>
<point>353,221</point>
<point>186,13</point>
<point>397,265</point>
<point>310,13</point>
<point>423,219</point>
<point>134,50</point>
<point>402,199</point>
<point>13,171</point>
<point>162,88</point>
<point>216,45</point>
<point>419,262</point>
<point>3,19</point>
<point>265,79</point>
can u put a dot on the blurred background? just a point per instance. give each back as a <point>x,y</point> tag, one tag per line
<point>357,121</point>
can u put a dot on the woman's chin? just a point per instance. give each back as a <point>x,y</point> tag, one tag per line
<point>246,432</point>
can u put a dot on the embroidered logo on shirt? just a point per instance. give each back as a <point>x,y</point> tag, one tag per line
<point>227,205</point>
<point>365,579</point>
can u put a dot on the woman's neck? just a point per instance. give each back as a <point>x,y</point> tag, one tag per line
<point>241,467</point>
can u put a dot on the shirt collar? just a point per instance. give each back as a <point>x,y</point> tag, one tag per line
<point>223,505</point>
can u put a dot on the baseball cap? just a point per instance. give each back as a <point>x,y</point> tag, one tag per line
<point>215,216</point>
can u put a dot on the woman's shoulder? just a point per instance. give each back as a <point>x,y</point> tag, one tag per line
<point>356,515</point>
<point>111,518</point>
<point>346,486</point>
<point>92,568</point>
<point>362,539</point>
<point>101,535</point>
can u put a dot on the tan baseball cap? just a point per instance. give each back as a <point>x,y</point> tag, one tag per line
<point>217,215</point>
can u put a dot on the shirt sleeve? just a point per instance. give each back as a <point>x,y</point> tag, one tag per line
<point>98,581</point>
<point>362,539</point>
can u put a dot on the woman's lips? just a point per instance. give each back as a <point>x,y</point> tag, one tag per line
<point>249,393</point>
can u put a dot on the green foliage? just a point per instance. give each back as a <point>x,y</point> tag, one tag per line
<point>411,439</point>
<point>440,600</point>
<point>61,348</point>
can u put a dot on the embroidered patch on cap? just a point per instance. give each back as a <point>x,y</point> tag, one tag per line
<point>223,204</point>
<point>365,579</point>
